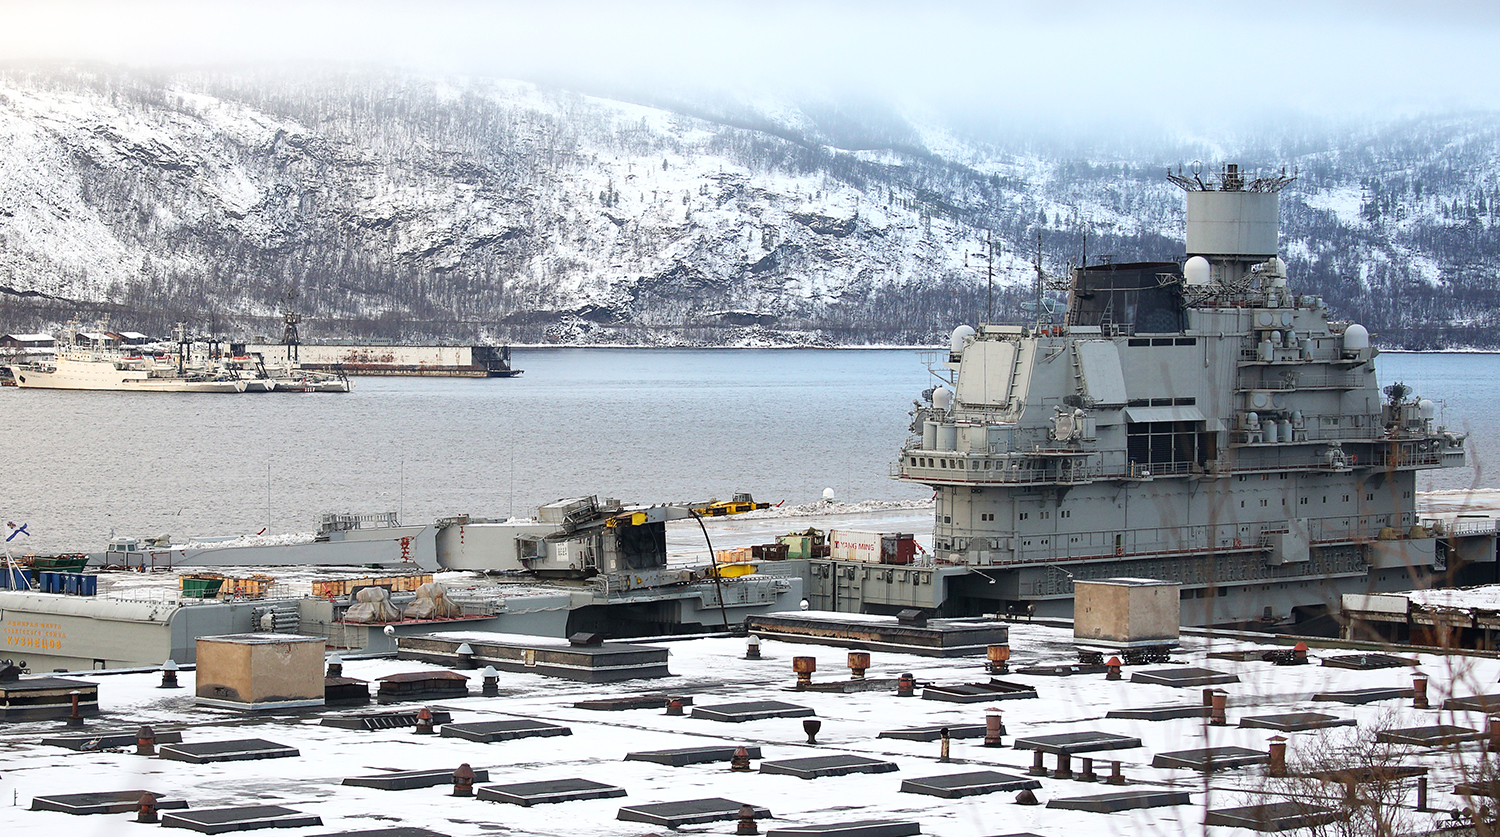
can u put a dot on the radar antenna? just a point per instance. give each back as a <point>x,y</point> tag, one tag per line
<point>1230,179</point>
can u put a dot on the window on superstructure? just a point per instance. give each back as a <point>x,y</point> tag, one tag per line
<point>1168,446</point>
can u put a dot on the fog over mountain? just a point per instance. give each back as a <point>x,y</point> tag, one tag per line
<point>742,174</point>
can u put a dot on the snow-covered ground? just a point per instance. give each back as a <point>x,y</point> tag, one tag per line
<point>713,671</point>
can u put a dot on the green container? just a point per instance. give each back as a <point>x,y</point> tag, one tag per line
<point>797,546</point>
<point>201,588</point>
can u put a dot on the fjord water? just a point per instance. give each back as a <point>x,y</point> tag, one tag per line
<point>647,426</point>
<point>643,425</point>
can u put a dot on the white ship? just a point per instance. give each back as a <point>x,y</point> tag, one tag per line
<point>77,368</point>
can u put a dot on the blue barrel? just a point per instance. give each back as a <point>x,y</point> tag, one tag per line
<point>47,579</point>
<point>70,583</point>
<point>88,585</point>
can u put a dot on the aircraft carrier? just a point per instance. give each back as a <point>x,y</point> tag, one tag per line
<point>1198,422</point>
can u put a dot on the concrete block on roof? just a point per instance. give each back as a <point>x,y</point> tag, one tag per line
<point>411,779</point>
<point>817,767</point>
<point>243,818</point>
<point>934,733</point>
<point>958,785</point>
<point>241,749</point>
<point>260,672</point>
<point>1359,697</point>
<point>683,756</point>
<point>401,831</point>
<point>106,802</point>
<point>1077,742</point>
<point>1273,816</point>
<point>753,710</point>
<point>106,740</point>
<point>1296,722</point>
<point>1162,713</point>
<point>1125,612</point>
<point>1437,735</point>
<point>858,828</point>
<point>1110,803</point>
<point>551,791</point>
<point>1209,759</point>
<point>486,732</point>
<point>687,812</point>
<point>1184,677</point>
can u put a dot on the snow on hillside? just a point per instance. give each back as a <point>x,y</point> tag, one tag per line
<point>418,208</point>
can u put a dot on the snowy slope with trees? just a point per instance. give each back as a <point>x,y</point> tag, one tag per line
<point>418,208</point>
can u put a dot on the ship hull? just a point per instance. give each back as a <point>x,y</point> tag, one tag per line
<point>106,376</point>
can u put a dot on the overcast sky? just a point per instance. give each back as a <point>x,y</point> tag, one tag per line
<point>1065,57</point>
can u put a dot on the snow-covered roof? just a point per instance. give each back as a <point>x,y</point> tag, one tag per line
<point>713,671</point>
<point>30,338</point>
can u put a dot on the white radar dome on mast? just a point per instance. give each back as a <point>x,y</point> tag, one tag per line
<point>1197,271</point>
<point>1356,337</point>
<point>942,398</point>
<point>961,338</point>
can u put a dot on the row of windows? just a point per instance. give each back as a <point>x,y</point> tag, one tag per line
<point>1162,341</point>
<point>930,462</point>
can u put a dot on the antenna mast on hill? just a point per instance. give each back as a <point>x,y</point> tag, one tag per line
<point>289,334</point>
<point>989,256</point>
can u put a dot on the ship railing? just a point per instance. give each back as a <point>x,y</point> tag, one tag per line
<point>1339,380</point>
<point>1465,528</point>
<point>1133,544</point>
<point>348,522</point>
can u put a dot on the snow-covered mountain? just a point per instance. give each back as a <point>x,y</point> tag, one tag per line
<point>419,208</point>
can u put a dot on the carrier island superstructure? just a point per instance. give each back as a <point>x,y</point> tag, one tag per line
<point>1197,422</point>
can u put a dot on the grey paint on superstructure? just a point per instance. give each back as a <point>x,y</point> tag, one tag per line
<point>1199,423</point>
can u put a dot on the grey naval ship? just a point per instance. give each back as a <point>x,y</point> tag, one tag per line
<point>1197,422</point>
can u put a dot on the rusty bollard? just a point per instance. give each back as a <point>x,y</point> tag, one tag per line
<point>147,810</point>
<point>859,663</point>
<point>490,685</point>
<point>1419,691</point>
<point>335,666</point>
<point>994,728</point>
<point>1026,797</point>
<point>1087,774</point>
<point>998,659</point>
<point>752,648</point>
<point>1112,669</point>
<point>804,666</point>
<point>463,780</point>
<point>811,727</point>
<point>1064,766</point>
<point>674,706</point>
<point>75,718</point>
<point>906,685</point>
<point>424,722</point>
<point>1218,718</point>
<point>746,824</point>
<point>1037,768</point>
<point>145,741</point>
<point>944,751</point>
<point>1115,776</point>
<point>1276,764</point>
<point>740,761</point>
<point>169,675</point>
